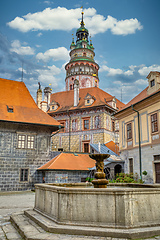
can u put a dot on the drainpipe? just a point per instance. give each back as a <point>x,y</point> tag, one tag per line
<point>69,130</point>
<point>139,138</point>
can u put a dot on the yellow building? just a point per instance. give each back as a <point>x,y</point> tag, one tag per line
<point>145,107</point>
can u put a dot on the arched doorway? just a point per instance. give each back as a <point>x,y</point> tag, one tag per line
<point>117,169</point>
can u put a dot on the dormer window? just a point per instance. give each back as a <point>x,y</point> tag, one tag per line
<point>10,109</point>
<point>53,106</point>
<point>152,83</point>
<point>89,99</point>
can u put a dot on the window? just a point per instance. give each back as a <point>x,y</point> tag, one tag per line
<point>24,175</point>
<point>62,124</point>
<point>156,157</point>
<point>97,122</point>
<point>86,147</point>
<point>129,131</point>
<point>152,83</point>
<point>88,101</point>
<point>10,109</point>
<point>26,141</point>
<point>113,125</point>
<point>70,87</point>
<point>67,126</point>
<point>74,125</point>
<point>154,123</point>
<point>21,141</point>
<point>131,165</point>
<point>86,124</point>
<point>52,107</point>
<point>30,142</point>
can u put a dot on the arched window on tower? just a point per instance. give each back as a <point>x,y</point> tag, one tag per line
<point>84,54</point>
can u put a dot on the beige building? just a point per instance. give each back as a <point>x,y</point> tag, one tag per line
<point>145,107</point>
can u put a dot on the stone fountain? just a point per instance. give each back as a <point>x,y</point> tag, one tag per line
<point>100,181</point>
<point>130,212</point>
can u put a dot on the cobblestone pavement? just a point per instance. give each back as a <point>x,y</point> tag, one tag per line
<point>16,202</point>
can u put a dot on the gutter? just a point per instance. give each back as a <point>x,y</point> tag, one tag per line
<point>57,131</point>
<point>40,124</point>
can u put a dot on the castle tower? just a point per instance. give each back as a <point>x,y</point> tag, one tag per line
<point>82,65</point>
<point>39,96</point>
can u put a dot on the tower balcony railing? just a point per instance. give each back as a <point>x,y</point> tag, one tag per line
<point>82,73</point>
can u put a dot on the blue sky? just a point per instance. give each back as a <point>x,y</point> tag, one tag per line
<point>38,33</point>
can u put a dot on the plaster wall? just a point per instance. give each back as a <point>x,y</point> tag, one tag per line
<point>148,165</point>
<point>145,127</point>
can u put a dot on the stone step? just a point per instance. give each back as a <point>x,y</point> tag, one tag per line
<point>9,232</point>
<point>34,226</point>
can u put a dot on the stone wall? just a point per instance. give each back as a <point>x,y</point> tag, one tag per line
<point>13,159</point>
<point>118,208</point>
<point>63,176</point>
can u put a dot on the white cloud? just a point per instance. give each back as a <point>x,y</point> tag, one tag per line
<point>47,2</point>
<point>115,71</point>
<point>39,34</point>
<point>141,82</point>
<point>55,54</point>
<point>144,71</point>
<point>16,47</point>
<point>125,27</point>
<point>48,76</point>
<point>61,18</point>
<point>20,70</point>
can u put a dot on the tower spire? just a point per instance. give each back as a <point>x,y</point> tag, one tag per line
<point>82,23</point>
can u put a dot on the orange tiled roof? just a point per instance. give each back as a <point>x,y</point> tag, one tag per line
<point>66,99</point>
<point>137,98</point>
<point>15,94</point>
<point>141,96</point>
<point>112,146</point>
<point>69,161</point>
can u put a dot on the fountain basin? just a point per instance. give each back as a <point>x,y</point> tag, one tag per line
<point>123,208</point>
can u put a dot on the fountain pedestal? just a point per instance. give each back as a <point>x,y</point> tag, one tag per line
<point>100,181</point>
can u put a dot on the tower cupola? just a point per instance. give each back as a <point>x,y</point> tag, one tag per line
<point>82,65</point>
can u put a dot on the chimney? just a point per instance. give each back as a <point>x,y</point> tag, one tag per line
<point>47,95</point>
<point>76,92</point>
<point>43,106</point>
<point>39,96</point>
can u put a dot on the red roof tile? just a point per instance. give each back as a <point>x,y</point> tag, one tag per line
<point>141,96</point>
<point>69,161</point>
<point>66,99</point>
<point>112,146</point>
<point>15,94</point>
